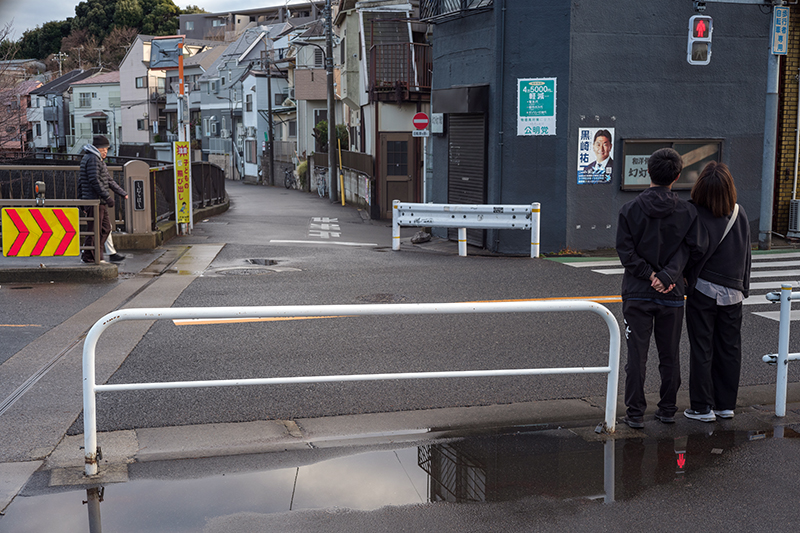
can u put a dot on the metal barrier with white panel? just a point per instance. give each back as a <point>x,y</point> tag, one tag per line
<point>90,388</point>
<point>467,216</point>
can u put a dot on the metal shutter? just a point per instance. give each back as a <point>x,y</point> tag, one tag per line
<point>466,169</point>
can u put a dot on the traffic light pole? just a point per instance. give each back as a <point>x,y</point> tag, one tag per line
<point>770,145</point>
<point>770,130</point>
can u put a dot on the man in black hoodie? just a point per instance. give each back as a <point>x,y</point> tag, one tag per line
<point>657,234</point>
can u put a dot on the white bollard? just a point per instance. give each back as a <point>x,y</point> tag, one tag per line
<point>395,226</point>
<point>782,380</point>
<point>536,208</point>
<point>462,242</point>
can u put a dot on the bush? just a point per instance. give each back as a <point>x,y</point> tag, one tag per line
<point>302,171</point>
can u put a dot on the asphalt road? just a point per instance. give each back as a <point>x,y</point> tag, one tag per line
<point>318,253</point>
<point>323,253</point>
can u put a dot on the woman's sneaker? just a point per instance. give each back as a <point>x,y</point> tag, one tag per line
<point>708,416</point>
<point>724,413</point>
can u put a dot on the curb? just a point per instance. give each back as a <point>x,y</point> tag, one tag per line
<point>44,274</point>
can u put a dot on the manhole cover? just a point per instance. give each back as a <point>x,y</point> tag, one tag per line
<point>244,271</point>
<point>262,262</point>
<point>381,298</point>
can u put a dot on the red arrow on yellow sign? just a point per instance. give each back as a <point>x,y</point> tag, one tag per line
<point>40,231</point>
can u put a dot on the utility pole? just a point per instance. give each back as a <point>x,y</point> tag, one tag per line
<point>60,57</point>
<point>331,103</point>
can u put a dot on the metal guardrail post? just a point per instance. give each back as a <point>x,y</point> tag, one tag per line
<point>782,358</point>
<point>90,388</point>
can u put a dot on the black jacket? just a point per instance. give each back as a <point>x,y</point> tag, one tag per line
<point>94,180</point>
<point>725,263</point>
<point>657,232</point>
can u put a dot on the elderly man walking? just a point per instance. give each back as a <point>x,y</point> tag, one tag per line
<point>95,183</point>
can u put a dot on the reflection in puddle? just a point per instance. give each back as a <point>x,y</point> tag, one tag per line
<point>555,464</point>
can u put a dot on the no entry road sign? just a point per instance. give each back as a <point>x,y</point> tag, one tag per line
<point>421,121</point>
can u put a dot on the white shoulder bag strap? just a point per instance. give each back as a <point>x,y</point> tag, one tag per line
<point>730,222</point>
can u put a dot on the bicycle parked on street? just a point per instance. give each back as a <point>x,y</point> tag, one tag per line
<point>288,179</point>
<point>322,181</point>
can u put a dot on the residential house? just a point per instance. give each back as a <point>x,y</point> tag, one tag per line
<point>95,110</point>
<point>49,113</point>
<point>15,130</point>
<point>143,94</point>
<point>385,79</point>
<point>228,26</point>
<point>264,95</point>
<point>193,67</point>
<point>222,94</point>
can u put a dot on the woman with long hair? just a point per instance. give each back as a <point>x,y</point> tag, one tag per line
<point>720,281</point>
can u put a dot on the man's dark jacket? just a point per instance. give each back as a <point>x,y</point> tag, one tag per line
<point>725,263</point>
<point>94,180</point>
<point>657,232</point>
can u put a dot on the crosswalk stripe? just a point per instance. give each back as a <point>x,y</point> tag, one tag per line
<point>772,285</point>
<point>774,273</point>
<point>776,315</point>
<point>609,271</point>
<point>610,262</point>
<point>773,264</point>
<point>765,267</point>
<point>767,257</point>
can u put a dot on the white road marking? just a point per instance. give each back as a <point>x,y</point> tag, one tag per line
<point>282,241</point>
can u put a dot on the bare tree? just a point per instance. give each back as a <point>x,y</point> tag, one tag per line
<point>15,85</point>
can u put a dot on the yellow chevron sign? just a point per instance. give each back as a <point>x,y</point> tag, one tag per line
<point>40,231</point>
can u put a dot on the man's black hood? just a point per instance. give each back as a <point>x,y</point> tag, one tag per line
<point>658,202</point>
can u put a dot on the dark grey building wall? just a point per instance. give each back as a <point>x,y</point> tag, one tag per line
<point>629,68</point>
<point>621,61</point>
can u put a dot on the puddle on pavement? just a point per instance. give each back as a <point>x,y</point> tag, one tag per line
<point>555,464</point>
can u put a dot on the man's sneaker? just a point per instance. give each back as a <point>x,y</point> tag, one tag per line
<point>665,419</point>
<point>708,416</point>
<point>636,422</point>
<point>116,258</point>
<point>724,413</point>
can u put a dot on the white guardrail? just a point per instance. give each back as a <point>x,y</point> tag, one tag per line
<point>90,388</point>
<point>464,216</point>
<point>782,358</point>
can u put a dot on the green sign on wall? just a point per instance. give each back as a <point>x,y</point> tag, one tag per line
<point>536,106</point>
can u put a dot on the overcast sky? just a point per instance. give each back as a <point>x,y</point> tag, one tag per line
<point>27,14</point>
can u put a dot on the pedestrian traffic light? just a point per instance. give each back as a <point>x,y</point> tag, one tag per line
<point>698,49</point>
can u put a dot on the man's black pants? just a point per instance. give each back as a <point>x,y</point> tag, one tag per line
<point>715,340</point>
<point>105,231</point>
<point>643,318</point>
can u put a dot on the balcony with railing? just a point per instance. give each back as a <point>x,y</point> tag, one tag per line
<point>435,11</point>
<point>400,72</point>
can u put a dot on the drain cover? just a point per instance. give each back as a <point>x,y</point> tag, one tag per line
<point>381,298</point>
<point>244,271</point>
<point>262,262</point>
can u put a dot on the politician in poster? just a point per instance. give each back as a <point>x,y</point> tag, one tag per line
<point>595,146</point>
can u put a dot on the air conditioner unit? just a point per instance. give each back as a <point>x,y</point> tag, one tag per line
<point>291,93</point>
<point>794,218</point>
<point>225,134</point>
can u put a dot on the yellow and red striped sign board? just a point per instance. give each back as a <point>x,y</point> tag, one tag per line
<point>40,231</point>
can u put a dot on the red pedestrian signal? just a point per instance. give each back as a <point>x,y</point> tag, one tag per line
<point>701,27</point>
<point>698,49</point>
